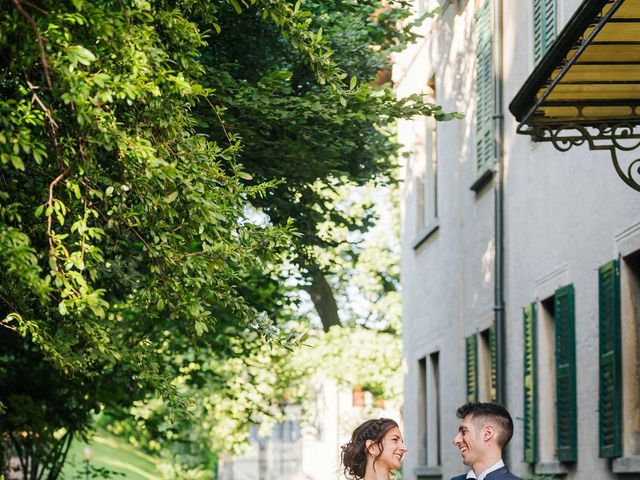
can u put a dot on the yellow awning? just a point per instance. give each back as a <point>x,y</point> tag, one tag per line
<point>591,73</point>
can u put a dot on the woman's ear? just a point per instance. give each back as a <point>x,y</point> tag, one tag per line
<point>371,447</point>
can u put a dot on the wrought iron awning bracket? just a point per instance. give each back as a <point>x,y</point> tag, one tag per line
<point>615,138</point>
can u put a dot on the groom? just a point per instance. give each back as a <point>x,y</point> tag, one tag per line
<point>485,429</point>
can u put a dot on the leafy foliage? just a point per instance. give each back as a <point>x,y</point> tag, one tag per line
<point>225,397</point>
<point>124,231</point>
<point>159,164</point>
<point>318,138</point>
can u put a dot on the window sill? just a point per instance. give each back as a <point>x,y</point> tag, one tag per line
<point>428,471</point>
<point>483,180</point>
<point>550,468</point>
<point>426,233</point>
<point>626,465</point>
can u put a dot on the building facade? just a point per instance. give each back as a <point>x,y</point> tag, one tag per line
<point>520,263</point>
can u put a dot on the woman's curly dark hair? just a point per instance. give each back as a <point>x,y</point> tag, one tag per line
<point>354,453</point>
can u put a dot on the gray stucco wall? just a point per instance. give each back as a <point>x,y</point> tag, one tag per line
<point>564,216</point>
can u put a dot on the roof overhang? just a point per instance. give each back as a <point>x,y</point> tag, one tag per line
<point>587,86</point>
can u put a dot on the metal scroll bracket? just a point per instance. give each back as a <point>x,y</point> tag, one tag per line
<point>616,138</point>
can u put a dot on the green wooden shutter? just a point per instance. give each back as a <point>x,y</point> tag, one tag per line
<point>484,89</point>
<point>472,368</point>
<point>610,403</point>
<point>537,30</point>
<point>493,355</point>
<point>530,385</point>
<point>544,26</point>
<point>550,15</point>
<point>566,405</point>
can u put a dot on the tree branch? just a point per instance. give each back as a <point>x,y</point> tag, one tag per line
<point>226,134</point>
<point>35,7</point>
<point>50,204</point>
<point>35,98</point>
<point>43,54</point>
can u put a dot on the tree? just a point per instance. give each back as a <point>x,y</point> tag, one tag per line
<point>130,233</point>
<point>257,387</point>
<point>311,134</point>
<point>119,221</point>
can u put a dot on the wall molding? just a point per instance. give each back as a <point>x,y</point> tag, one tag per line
<point>546,285</point>
<point>628,240</point>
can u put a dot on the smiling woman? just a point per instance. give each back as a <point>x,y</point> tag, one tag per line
<point>375,450</point>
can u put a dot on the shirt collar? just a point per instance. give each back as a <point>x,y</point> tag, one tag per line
<point>484,474</point>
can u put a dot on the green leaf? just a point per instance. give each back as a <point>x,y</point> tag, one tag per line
<point>81,54</point>
<point>445,117</point>
<point>17,162</point>
<point>200,327</point>
<point>171,197</point>
<point>236,5</point>
<point>353,83</point>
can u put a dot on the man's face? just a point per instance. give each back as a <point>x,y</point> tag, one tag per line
<point>469,441</point>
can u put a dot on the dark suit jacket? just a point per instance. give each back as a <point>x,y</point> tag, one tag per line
<point>502,473</point>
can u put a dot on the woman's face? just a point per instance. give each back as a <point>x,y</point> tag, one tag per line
<point>393,449</point>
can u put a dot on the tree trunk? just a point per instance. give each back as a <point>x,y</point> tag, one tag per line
<point>323,301</point>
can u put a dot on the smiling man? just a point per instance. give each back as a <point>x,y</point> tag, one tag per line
<point>485,429</point>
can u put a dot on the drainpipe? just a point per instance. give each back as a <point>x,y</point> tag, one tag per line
<point>498,157</point>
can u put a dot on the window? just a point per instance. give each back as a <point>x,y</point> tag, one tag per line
<point>487,365</point>
<point>619,374</point>
<point>610,371</point>
<point>544,27</point>
<point>433,410</point>
<point>481,368</point>
<point>471,348</point>
<point>422,410</point>
<point>484,89</point>
<point>429,409</point>
<point>545,365</point>
<point>551,375</point>
<point>426,154</point>
<point>566,403</point>
<point>530,387</point>
<point>630,359</point>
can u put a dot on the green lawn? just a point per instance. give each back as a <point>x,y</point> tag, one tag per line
<point>112,454</point>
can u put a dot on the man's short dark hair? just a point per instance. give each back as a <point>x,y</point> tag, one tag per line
<point>490,413</point>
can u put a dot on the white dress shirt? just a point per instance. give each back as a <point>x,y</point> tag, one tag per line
<point>484,474</point>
